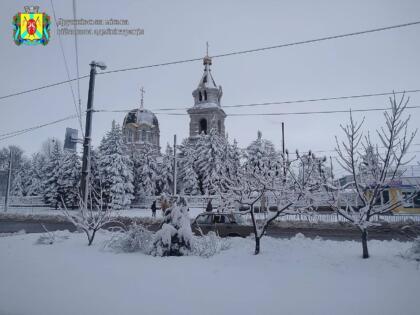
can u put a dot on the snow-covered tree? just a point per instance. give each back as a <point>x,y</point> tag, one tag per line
<point>233,160</point>
<point>175,236</point>
<point>146,173</point>
<point>372,170</point>
<point>210,165</point>
<point>116,170</point>
<point>52,175</point>
<point>274,178</point>
<point>69,179</point>
<point>36,175</point>
<point>95,179</point>
<point>93,218</point>
<point>187,175</point>
<point>165,172</point>
<point>17,188</point>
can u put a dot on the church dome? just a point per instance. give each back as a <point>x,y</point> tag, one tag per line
<point>141,116</point>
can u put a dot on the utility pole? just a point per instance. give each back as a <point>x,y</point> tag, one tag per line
<point>283,149</point>
<point>9,175</point>
<point>331,167</point>
<point>174,165</point>
<point>84,183</point>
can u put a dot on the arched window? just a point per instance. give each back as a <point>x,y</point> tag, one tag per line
<point>205,95</point>
<point>200,96</point>
<point>219,126</point>
<point>203,126</point>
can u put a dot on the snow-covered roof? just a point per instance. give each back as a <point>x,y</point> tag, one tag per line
<point>207,81</point>
<point>141,116</point>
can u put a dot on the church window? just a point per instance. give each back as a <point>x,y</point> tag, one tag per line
<point>200,96</point>
<point>205,95</point>
<point>219,126</point>
<point>203,126</point>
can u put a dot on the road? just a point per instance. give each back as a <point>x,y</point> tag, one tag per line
<point>11,226</point>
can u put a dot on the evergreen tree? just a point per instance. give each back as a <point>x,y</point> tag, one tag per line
<point>69,179</point>
<point>260,150</point>
<point>166,181</point>
<point>175,236</point>
<point>188,177</point>
<point>233,161</point>
<point>210,165</point>
<point>95,180</point>
<point>36,176</point>
<point>17,186</point>
<point>116,170</point>
<point>52,175</point>
<point>146,174</point>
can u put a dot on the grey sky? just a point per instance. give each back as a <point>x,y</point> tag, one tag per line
<point>176,30</point>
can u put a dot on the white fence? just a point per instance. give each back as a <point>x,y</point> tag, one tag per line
<point>333,218</point>
<point>27,202</point>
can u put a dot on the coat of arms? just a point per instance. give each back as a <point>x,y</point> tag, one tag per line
<point>31,27</point>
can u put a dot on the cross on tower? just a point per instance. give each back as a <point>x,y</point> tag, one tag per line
<point>207,49</point>
<point>142,91</point>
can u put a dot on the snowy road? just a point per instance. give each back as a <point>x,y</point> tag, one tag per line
<point>273,231</point>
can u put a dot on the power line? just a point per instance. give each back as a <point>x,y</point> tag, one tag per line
<point>274,114</point>
<point>77,65</point>
<point>279,102</point>
<point>239,52</point>
<point>19,132</point>
<point>22,131</point>
<point>67,71</point>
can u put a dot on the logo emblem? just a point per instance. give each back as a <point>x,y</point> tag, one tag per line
<point>31,27</point>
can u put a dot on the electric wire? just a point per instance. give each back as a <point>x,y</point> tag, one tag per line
<point>67,70</point>
<point>239,52</point>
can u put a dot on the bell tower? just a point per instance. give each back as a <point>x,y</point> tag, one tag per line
<point>207,114</point>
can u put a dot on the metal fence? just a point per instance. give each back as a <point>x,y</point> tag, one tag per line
<point>334,218</point>
<point>28,202</point>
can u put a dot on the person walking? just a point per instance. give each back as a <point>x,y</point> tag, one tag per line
<point>209,207</point>
<point>153,207</point>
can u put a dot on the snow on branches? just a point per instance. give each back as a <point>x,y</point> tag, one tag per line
<point>266,174</point>
<point>374,168</point>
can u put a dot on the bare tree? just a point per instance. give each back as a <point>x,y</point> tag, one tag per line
<point>291,187</point>
<point>372,169</point>
<point>90,218</point>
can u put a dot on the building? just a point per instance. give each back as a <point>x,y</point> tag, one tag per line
<point>141,126</point>
<point>207,114</point>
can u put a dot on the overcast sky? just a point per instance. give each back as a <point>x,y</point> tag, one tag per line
<point>175,30</point>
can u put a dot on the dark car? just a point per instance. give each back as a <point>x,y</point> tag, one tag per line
<point>224,224</point>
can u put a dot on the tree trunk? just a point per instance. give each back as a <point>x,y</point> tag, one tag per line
<point>364,244</point>
<point>91,237</point>
<point>257,245</point>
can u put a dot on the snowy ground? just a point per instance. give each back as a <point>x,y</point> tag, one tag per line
<point>297,276</point>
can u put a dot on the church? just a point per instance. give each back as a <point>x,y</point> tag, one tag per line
<point>141,126</point>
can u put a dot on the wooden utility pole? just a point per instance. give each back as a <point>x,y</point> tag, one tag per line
<point>84,182</point>
<point>9,175</point>
<point>174,171</point>
<point>283,149</point>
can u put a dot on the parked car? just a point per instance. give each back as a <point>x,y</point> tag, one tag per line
<point>224,224</point>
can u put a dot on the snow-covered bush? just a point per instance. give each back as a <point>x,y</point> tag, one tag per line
<point>208,245</point>
<point>413,252</point>
<point>175,236</point>
<point>136,239</point>
<point>49,238</point>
